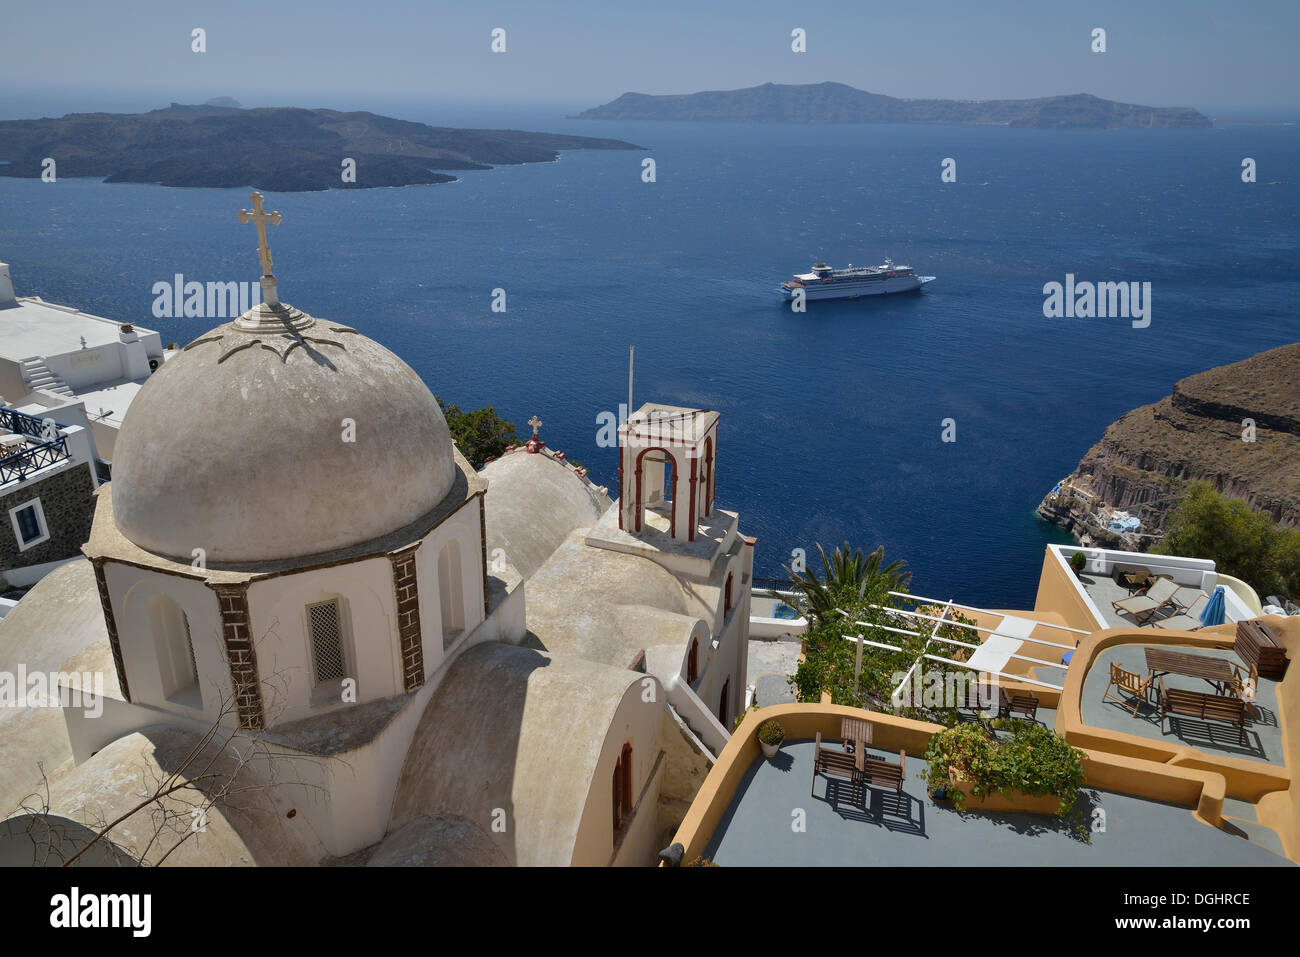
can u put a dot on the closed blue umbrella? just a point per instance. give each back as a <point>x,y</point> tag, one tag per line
<point>1213,613</point>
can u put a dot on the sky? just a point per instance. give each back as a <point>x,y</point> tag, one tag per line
<point>62,55</point>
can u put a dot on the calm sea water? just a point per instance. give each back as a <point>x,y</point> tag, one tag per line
<point>831,420</point>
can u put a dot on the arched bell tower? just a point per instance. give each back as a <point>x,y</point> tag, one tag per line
<point>667,470</point>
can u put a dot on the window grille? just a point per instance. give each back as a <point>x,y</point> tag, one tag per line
<point>326,640</point>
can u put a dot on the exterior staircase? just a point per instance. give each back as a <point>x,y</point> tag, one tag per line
<point>37,375</point>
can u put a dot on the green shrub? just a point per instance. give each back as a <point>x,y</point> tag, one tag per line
<point>479,434</point>
<point>1078,560</point>
<point>1033,761</point>
<point>1242,542</point>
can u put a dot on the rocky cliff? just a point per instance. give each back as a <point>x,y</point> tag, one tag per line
<point>1235,426</point>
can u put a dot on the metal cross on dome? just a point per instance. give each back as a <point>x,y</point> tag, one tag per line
<point>260,217</point>
<point>536,423</point>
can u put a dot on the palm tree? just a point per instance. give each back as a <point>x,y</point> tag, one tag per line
<point>848,576</point>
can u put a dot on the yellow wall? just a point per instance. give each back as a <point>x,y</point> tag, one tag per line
<point>1058,592</point>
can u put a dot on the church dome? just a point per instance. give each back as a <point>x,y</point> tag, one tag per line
<point>278,436</point>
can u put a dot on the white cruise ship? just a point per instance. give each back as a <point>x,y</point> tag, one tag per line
<point>827,283</point>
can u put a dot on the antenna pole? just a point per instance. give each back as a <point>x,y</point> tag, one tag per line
<point>631,354</point>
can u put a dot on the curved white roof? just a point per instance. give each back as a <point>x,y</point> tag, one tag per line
<point>533,502</point>
<point>241,446</point>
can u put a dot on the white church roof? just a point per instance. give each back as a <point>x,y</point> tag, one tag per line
<point>513,729</point>
<point>260,445</point>
<point>533,502</point>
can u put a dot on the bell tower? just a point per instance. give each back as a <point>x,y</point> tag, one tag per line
<point>667,463</point>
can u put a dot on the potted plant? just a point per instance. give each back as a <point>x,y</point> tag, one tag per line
<point>770,736</point>
<point>1077,561</point>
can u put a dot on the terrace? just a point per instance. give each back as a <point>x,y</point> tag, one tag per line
<point>1199,791</point>
<point>1097,588</point>
<point>1263,730</point>
<point>28,445</point>
<point>754,801</point>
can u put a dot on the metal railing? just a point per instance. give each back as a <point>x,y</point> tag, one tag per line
<point>21,423</point>
<point>18,466</point>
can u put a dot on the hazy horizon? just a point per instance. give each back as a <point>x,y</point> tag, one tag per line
<point>69,56</point>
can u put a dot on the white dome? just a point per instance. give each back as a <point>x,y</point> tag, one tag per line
<point>237,445</point>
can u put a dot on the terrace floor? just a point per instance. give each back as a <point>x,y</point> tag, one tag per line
<point>756,830</point>
<point>1103,590</point>
<point>1263,734</point>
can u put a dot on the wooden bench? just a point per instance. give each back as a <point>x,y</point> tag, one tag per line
<point>1258,646</point>
<point>833,762</point>
<point>885,774</point>
<point>1197,704</point>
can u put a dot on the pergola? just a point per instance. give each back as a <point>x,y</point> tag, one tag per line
<point>991,656</point>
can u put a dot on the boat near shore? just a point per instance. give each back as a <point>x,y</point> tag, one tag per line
<point>853,282</point>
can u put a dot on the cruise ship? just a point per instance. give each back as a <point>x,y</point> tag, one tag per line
<point>827,283</point>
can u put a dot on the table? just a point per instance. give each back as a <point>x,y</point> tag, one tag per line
<point>1135,578</point>
<point>1219,672</point>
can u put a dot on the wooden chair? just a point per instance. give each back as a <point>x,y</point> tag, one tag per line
<point>1246,686</point>
<point>1019,702</point>
<point>885,774</point>
<point>1130,684</point>
<point>1134,578</point>
<point>973,696</point>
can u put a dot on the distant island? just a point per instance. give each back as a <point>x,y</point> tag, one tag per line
<point>280,149</point>
<point>838,103</point>
<point>1145,460</point>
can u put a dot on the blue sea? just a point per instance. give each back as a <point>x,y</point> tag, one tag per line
<point>831,420</point>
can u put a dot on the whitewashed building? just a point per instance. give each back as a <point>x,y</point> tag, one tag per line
<point>77,368</point>
<point>408,662</point>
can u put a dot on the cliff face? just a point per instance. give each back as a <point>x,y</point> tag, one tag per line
<point>1145,459</point>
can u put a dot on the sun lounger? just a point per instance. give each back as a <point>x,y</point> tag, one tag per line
<point>1189,620</point>
<point>1144,606</point>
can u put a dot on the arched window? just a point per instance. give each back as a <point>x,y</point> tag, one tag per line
<point>622,785</point>
<point>451,594</point>
<point>726,596</point>
<point>626,762</point>
<point>723,715</point>
<point>656,484</point>
<point>693,662</point>
<point>174,649</point>
<point>706,489</point>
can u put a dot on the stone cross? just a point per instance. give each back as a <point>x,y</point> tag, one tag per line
<point>536,423</point>
<point>260,217</point>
